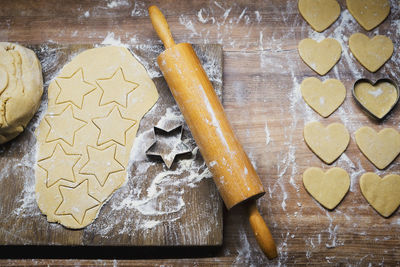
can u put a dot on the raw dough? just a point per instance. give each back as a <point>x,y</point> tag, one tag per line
<point>320,14</point>
<point>371,53</point>
<point>382,193</point>
<point>380,148</point>
<point>377,99</point>
<point>21,88</point>
<point>327,143</point>
<point>327,188</point>
<point>369,13</point>
<point>85,138</point>
<point>320,56</point>
<point>323,97</point>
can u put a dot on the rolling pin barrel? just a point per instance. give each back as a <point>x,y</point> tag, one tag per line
<point>232,170</point>
<point>233,173</point>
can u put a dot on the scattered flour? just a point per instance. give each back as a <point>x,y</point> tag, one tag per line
<point>272,45</point>
<point>111,40</point>
<point>376,93</point>
<point>118,3</point>
<point>267,134</point>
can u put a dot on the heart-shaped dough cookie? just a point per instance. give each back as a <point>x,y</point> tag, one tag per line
<point>377,99</point>
<point>327,188</point>
<point>371,53</point>
<point>320,14</point>
<point>320,56</point>
<point>382,194</point>
<point>369,13</point>
<point>327,143</point>
<point>323,97</point>
<point>380,148</point>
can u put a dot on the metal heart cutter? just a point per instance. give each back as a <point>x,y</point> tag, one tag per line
<point>377,99</point>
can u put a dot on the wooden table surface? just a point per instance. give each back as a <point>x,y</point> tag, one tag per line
<point>262,74</point>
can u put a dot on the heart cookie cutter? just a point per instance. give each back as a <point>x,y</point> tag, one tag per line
<point>365,80</point>
<point>168,144</point>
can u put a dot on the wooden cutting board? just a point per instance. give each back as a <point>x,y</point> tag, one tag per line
<point>156,207</point>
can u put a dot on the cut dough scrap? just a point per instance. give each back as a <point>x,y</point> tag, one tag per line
<point>21,88</point>
<point>327,188</point>
<point>371,53</point>
<point>320,56</point>
<point>320,14</point>
<point>369,13</point>
<point>382,193</point>
<point>323,97</point>
<point>380,148</point>
<point>328,143</point>
<point>378,99</point>
<point>95,105</point>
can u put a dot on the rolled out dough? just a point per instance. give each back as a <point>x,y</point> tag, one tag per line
<point>380,148</point>
<point>320,56</point>
<point>382,193</point>
<point>323,97</point>
<point>328,143</point>
<point>377,99</point>
<point>21,88</point>
<point>327,188</point>
<point>369,13</point>
<point>85,138</point>
<point>320,14</point>
<point>371,53</point>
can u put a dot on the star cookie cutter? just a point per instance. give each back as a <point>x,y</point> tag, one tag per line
<point>364,80</point>
<point>168,144</point>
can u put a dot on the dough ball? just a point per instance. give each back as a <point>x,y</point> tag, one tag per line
<point>21,88</point>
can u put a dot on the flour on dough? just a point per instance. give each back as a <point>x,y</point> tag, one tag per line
<point>380,148</point>
<point>371,53</point>
<point>85,138</point>
<point>320,56</point>
<point>377,99</point>
<point>323,97</point>
<point>382,193</point>
<point>328,188</point>
<point>320,14</point>
<point>369,13</point>
<point>21,88</point>
<point>328,143</point>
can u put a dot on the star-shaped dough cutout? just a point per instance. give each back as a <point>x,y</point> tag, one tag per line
<point>101,163</point>
<point>116,89</point>
<point>59,165</point>
<point>113,127</point>
<point>63,126</point>
<point>168,144</point>
<point>76,201</point>
<point>73,89</point>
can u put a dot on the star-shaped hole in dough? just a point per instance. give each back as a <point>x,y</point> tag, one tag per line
<point>76,201</point>
<point>113,127</point>
<point>63,126</point>
<point>73,89</point>
<point>59,165</point>
<point>168,145</point>
<point>101,163</point>
<point>116,89</point>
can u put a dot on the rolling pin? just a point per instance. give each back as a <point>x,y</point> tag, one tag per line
<point>233,173</point>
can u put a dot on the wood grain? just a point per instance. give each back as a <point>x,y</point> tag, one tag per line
<point>198,222</point>
<point>262,72</point>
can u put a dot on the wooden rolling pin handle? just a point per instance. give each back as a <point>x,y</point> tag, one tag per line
<point>261,231</point>
<point>201,108</point>
<point>161,26</point>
